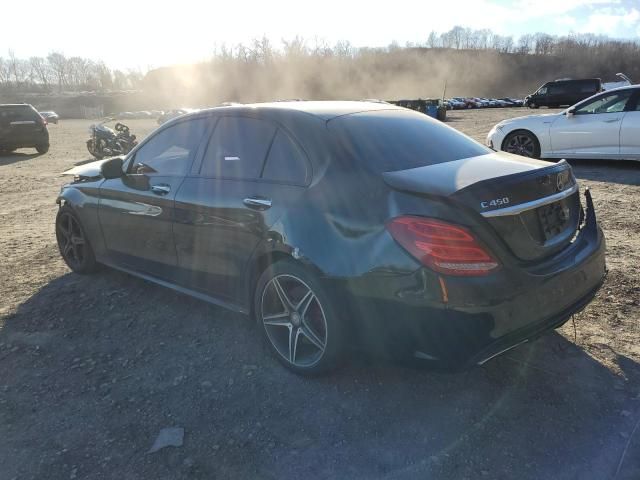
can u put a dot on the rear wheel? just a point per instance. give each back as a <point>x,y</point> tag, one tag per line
<point>523,143</point>
<point>73,243</point>
<point>297,319</point>
<point>42,149</point>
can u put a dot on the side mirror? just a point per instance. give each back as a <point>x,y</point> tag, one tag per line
<point>112,168</point>
<point>571,112</point>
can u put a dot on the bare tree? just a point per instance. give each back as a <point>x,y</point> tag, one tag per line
<point>58,64</point>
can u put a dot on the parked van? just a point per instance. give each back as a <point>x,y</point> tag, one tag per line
<point>563,92</point>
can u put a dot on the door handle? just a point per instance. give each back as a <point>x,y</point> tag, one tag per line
<point>613,120</point>
<point>161,189</point>
<point>257,202</point>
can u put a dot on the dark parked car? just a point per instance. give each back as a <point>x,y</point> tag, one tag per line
<point>21,126</point>
<point>337,224</point>
<point>563,92</point>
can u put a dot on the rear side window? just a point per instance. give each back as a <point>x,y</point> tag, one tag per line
<point>237,148</point>
<point>391,140</point>
<point>16,113</point>
<point>170,151</point>
<point>286,163</point>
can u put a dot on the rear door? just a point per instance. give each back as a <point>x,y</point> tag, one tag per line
<point>251,172</point>
<point>593,131</point>
<point>136,211</point>
<point>630,130</point>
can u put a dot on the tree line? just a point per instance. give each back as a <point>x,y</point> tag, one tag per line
<point>470,62</point>
<point>56,73</point>
<point>473,62</point>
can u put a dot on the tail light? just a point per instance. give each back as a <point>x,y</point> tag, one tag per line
<point>444,247</point>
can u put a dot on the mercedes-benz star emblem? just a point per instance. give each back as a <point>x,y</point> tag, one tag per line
<point>561,180</point>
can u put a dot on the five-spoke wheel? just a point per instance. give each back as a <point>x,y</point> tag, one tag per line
<point>72,242</point>
<point>522,143</point>
<point>297,319</point>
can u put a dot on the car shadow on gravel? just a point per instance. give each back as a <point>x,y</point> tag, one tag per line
<point>94,366</point>
<point>615,171</point>
<point>14,157</point>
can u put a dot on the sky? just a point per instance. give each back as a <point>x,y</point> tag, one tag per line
<point>142,35</point>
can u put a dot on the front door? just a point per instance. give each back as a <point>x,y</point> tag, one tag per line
<point>136,211</point>
<point>593,131</point>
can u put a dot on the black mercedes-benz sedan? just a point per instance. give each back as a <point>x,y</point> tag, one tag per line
<point>337,224</point>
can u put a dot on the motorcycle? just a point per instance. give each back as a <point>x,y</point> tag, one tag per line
<point>106,142</point>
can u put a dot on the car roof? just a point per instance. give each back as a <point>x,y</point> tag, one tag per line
<point>323,109</point>
<point>13,105</point>
<point>625,87</point>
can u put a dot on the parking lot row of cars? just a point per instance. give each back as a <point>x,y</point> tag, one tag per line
<point>459,103</point>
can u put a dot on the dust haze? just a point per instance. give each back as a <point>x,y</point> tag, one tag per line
<point>470,64</point>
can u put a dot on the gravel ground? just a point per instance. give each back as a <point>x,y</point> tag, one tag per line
<point>93,368</point>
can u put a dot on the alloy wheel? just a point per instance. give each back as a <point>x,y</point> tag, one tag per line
<point>294,320</point>
<point>71,240</point>
<point>521,144</point>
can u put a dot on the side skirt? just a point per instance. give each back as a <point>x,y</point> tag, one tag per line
<point>192,293</point>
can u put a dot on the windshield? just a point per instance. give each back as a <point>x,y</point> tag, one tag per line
<point>391,140</point>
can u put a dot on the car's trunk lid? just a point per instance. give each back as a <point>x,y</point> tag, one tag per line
<point>532,205</point>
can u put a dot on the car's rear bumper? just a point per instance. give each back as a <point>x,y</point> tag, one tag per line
<point>31,139</point>
<point>478,318</point>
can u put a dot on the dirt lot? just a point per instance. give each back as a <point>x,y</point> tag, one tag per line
<point>92,368</point>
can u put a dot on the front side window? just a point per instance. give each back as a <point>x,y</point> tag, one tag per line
<point>237,148</point>
<point>613,102</point>
<point>169,152</point>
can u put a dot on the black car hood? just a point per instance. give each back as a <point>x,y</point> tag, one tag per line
<point>449,177</point>
<point>87,170</point>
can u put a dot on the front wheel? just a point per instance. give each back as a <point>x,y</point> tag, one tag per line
<point>73,243</point>
<point>297,319</point>
<point>523,143</point>
<point>91,147</point>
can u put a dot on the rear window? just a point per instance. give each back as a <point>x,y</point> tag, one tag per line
<point>17,112</point>
<point>391,140</point>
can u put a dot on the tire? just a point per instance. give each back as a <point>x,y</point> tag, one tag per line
<point>92,150</point>
<point>73,243</point>
<point>523,143</point>
<point>42,149</point>
<point>533,105</point>
<point>297,319</point>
